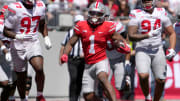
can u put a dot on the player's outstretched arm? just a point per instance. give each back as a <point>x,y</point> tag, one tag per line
<point>133,36</point>
<point>43,30</point>
<point>68,47</point>
<point>170,53</point>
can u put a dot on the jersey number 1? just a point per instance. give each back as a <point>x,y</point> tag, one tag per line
<point>91,50</point>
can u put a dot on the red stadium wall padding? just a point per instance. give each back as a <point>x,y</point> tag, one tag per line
<point>172,87</point>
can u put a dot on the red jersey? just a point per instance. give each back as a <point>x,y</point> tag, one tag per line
<point>94,40</point>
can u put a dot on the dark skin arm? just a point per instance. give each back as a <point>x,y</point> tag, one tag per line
<point>43,28</point>
<point>9,33</point>
<point>133,36</point>
<point>70,43</point>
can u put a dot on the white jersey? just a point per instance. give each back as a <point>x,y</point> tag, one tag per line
<point>113,54</point>
<point>147,22</point>
<point>22,20</point>
<point>2,37</point>
<point>177,30</point>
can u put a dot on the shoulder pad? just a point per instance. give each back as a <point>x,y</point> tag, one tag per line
<point>162,10</point>
<point>134,13</point>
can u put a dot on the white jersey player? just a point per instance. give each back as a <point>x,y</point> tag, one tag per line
<point>24,20</point>
<point>145,27</point>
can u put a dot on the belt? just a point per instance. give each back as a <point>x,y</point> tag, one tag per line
<point>75,57</point>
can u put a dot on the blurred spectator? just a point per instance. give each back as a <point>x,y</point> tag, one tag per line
<point>173,6</point>
<point>113,7</point>
<point>124,11</point>
<point>78,3</point>
<point>132,4</point>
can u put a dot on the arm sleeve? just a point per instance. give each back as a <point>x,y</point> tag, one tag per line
<point>10,20</point>
<point>166,21</point>
<point>133,19</point>
<point>120,28</point>
<point>77,29</point>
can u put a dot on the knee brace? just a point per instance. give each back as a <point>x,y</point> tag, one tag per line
<point>28,83</point>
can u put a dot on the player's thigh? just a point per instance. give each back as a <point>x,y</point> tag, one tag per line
<point>119,74</point>
<point>18,60</point>
<point>88,80</point>
<point>159,65</point>
<point>143,62</point>
<point>34,55</point>
<point>103,66</point>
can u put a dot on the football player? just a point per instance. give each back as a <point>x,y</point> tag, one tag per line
<point>25,18</point>
<point>94,33</point>
<point>145,27</point>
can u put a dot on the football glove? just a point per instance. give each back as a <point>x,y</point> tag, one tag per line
<point>64,58</point>
<point>170,53</point>
<point>47,42</point>
<point>124,48</point>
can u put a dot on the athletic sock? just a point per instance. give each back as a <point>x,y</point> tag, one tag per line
<point>39,93</point>
<point>148,97</point>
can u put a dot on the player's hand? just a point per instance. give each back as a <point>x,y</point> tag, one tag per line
<point>20,36</point>
<point>170,53</point>
<point>124,48</point>
<point>47,42</point>
<point>8,57</point>
<point>64,58</point>
<point>154,32</point>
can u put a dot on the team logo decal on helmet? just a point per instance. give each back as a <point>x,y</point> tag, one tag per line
<point>148,4</point>
<point>96,13</point>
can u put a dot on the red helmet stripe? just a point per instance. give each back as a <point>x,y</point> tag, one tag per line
<point>97,4</point>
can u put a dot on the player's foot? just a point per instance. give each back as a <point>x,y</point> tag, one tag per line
<point>40,98</point>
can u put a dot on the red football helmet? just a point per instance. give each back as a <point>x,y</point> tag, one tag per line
<point>96,13</point>
<point>29,2</point>
<point>148,4</point>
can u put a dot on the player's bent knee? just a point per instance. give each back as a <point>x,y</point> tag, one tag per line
<point>4,83</point>
<point>160,80</point>
<point>143,75</point>
<point>89,96</point>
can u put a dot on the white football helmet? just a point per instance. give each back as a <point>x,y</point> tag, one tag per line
<point>148,4</point>
<point>96,13</point>
<point>29,2</point>
<point>108,13</point>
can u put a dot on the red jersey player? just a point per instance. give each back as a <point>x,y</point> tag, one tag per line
<point>94,34</point>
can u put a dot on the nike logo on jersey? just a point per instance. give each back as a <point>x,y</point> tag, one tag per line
<point>85,31</point>
<point>100,32</point>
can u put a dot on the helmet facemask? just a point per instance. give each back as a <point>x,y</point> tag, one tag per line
<point>148,4</point>
<point>29,2</point>
<point>96,13</point>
